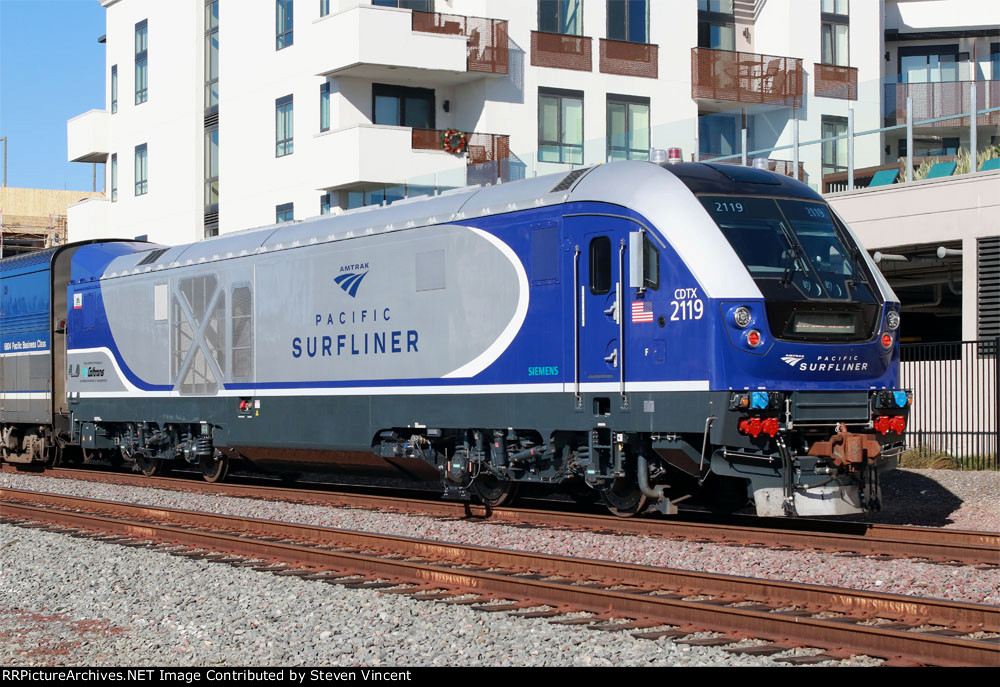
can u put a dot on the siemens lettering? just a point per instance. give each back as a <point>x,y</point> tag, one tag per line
<point>374,343</point>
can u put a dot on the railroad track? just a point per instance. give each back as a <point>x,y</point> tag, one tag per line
<point>957,547</point>
<point>617,596</point>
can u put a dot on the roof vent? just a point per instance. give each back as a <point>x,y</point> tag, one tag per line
<point>570,179</point>
<point>152,257</point>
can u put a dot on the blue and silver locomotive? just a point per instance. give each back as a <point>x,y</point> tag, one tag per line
<point>634,332</point>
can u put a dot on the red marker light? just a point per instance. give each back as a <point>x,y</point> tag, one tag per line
<point>887,341</point>
<point>674,156</point>
<point>753,338</point>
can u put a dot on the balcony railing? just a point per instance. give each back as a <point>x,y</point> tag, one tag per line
<point>629,59</point>
<point>832,81</point>
<point>933,100</point>
<point>561,51</point>
<point>745,77</point>
<point>487,38</point>
<point>784,167</point>
<point>487,155</point>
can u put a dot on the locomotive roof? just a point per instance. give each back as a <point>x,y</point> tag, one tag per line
<point>702,177</point>
<point>613,183</point>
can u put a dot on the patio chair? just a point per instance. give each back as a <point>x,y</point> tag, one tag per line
<point>941,169</point>
<point>884,178</point>
<point>991,165</point>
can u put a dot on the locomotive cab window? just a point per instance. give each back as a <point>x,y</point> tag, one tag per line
<point>600,265</point>
<point>791,243</point>
<point>650,265</point>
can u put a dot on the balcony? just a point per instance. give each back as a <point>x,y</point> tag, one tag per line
<point>385,43</point>
<point>487,155</point>
<point>87,137</point>
<point>933,100</point>
<point>487,38</point>
<point>629,59</point>
<point>743,77</point>
<point>561,51</point>
<point>375,154</point>
<point>832,81</point>
<point>89,219</point>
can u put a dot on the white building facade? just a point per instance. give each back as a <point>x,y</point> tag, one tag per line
<point>223,115</point>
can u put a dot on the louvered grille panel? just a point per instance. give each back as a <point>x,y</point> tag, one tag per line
<point>989,287</point>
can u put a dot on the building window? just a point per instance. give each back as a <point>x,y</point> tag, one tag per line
<point>930,147</point>
<point>933,64</point>
<point>835,32</point>
<point>114,88</point>
<point>561,16</point>
<point>212,166</point>
<point>403,106</point>
<point>324,106</point>
<point>324,7</point>
<point>141,170</point>
<point>284,212</point>
<point>834,152</point>
<point>211,53</point>
<point>141,62</point>
<point>628,128</point>
<point>283,23</point>
<point>114,177</point>
<point>415,5</point>
<point>628,20</point>
<point>283,126</point>
<point>717,135</point>
<point>560,126</point>
<point>995,61</point>
<point>325,202</point>
<point>716,25</point>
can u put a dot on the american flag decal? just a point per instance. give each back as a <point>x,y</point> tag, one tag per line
<point>642,311</point>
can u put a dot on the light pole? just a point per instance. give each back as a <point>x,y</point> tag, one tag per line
<point>4,139</point>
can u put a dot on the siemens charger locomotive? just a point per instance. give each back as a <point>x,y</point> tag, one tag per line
<point>633,332</point>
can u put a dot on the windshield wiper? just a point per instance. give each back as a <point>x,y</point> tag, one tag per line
<point>791,257</point>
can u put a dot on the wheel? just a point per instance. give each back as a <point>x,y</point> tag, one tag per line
<point>214,468</point>
<point>624,498</point>
<point>150,467</point>
<point>493,491</point>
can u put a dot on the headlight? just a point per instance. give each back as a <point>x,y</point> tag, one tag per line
<point>741,316</point>
<point>892,320</point>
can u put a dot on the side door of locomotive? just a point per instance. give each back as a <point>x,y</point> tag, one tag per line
<point>600,298</point>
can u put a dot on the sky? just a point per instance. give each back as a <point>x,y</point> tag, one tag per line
<point>51,70</point>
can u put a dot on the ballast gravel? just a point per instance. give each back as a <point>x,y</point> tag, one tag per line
<point>139,607</point>
<point>964,583</point>
<point>66,601</point>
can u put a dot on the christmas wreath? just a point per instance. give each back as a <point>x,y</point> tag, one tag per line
<point>454,141</point>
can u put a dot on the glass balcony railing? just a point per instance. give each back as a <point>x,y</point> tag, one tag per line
<point>831,135</point>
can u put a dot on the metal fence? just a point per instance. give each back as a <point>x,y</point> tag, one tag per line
<point>955,407</point>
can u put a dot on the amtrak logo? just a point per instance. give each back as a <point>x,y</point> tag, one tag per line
<point>793,360</point>
<point>350,281</point>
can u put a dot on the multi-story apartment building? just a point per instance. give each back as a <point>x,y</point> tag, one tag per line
<point>937,53</point>
<point>222,115</point>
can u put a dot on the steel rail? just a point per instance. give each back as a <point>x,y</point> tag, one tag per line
<point>935,544</point>
<point>638,601</point>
